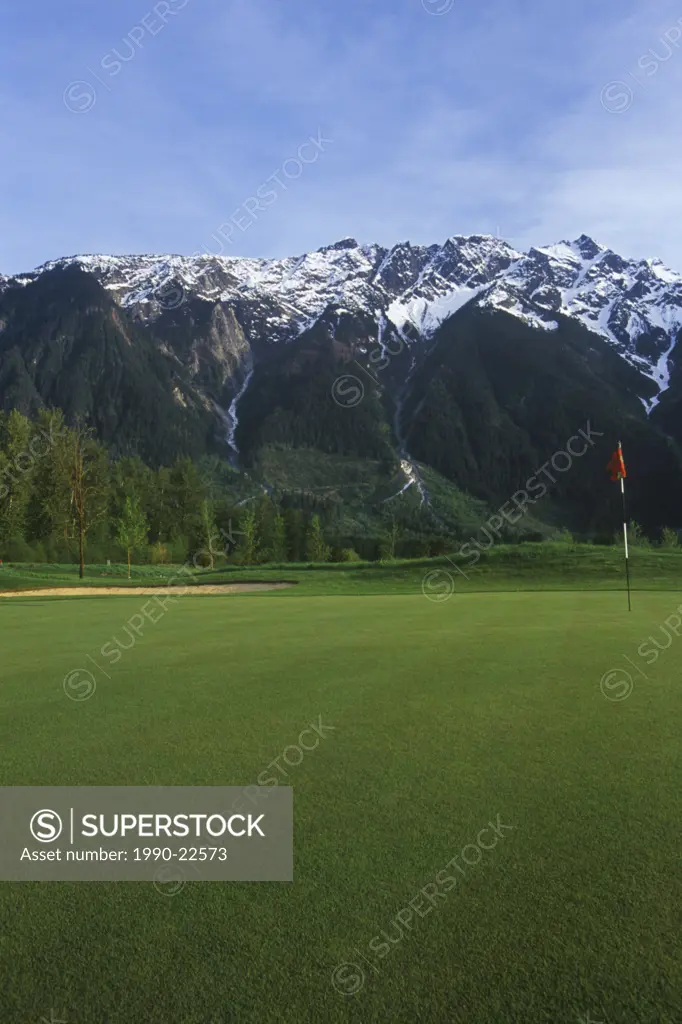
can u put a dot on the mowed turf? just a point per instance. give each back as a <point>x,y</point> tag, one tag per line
<point>439,717</point>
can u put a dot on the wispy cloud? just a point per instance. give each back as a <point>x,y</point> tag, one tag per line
<point>488,117</point>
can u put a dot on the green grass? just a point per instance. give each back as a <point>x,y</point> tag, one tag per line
<point>539,566</point>
<point>445,715</point>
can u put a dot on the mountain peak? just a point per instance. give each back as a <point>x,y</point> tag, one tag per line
<point>343,243</point>
<point>588,247</point>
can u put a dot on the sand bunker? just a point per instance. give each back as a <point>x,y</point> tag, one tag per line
<point>179,591</point>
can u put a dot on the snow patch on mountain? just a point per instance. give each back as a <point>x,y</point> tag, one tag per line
<point>428,314</point>
<point>636,306</point>
<point>504,299</point>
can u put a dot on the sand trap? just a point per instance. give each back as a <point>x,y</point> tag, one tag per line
<point>179,591</point>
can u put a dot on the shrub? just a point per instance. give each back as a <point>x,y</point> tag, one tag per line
<point>636,536</point>
<point>669,538</point>
<point>160,554</point>
<point>317,550</point>
<point>16,550</point>
<point>39,553</point>
<point>349,555</point>
<point>61,551</point>
<point>96,553</point>
<point>178,550</point>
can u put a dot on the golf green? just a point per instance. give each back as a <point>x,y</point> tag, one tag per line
<point>487,831</point>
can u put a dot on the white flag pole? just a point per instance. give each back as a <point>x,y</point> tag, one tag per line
<point>625,536</point>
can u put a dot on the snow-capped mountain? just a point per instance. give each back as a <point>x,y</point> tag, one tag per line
<point>470,358</point>
<point>634,305</point>
<point>637,306</point>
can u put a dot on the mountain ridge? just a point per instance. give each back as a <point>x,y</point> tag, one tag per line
<point>635,304</point>
<point>243,355</point>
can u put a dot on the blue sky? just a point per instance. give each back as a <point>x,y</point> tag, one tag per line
<point>145,126</point>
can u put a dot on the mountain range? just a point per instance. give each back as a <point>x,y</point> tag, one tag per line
<point>392,372</point>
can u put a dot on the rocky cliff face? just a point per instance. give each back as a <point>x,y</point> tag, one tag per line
<point>234,354</point>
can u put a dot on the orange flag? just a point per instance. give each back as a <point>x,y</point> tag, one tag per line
<point>616,466</point>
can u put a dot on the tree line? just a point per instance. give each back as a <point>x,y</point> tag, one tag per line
<point>63,499</point>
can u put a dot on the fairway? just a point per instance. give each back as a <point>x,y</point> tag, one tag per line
<point>472,724</point>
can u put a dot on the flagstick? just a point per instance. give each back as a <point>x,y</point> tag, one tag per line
<point>625,537</point>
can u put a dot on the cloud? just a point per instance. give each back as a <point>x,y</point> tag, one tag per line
<point>612,163</point>
<point>490,118</point>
